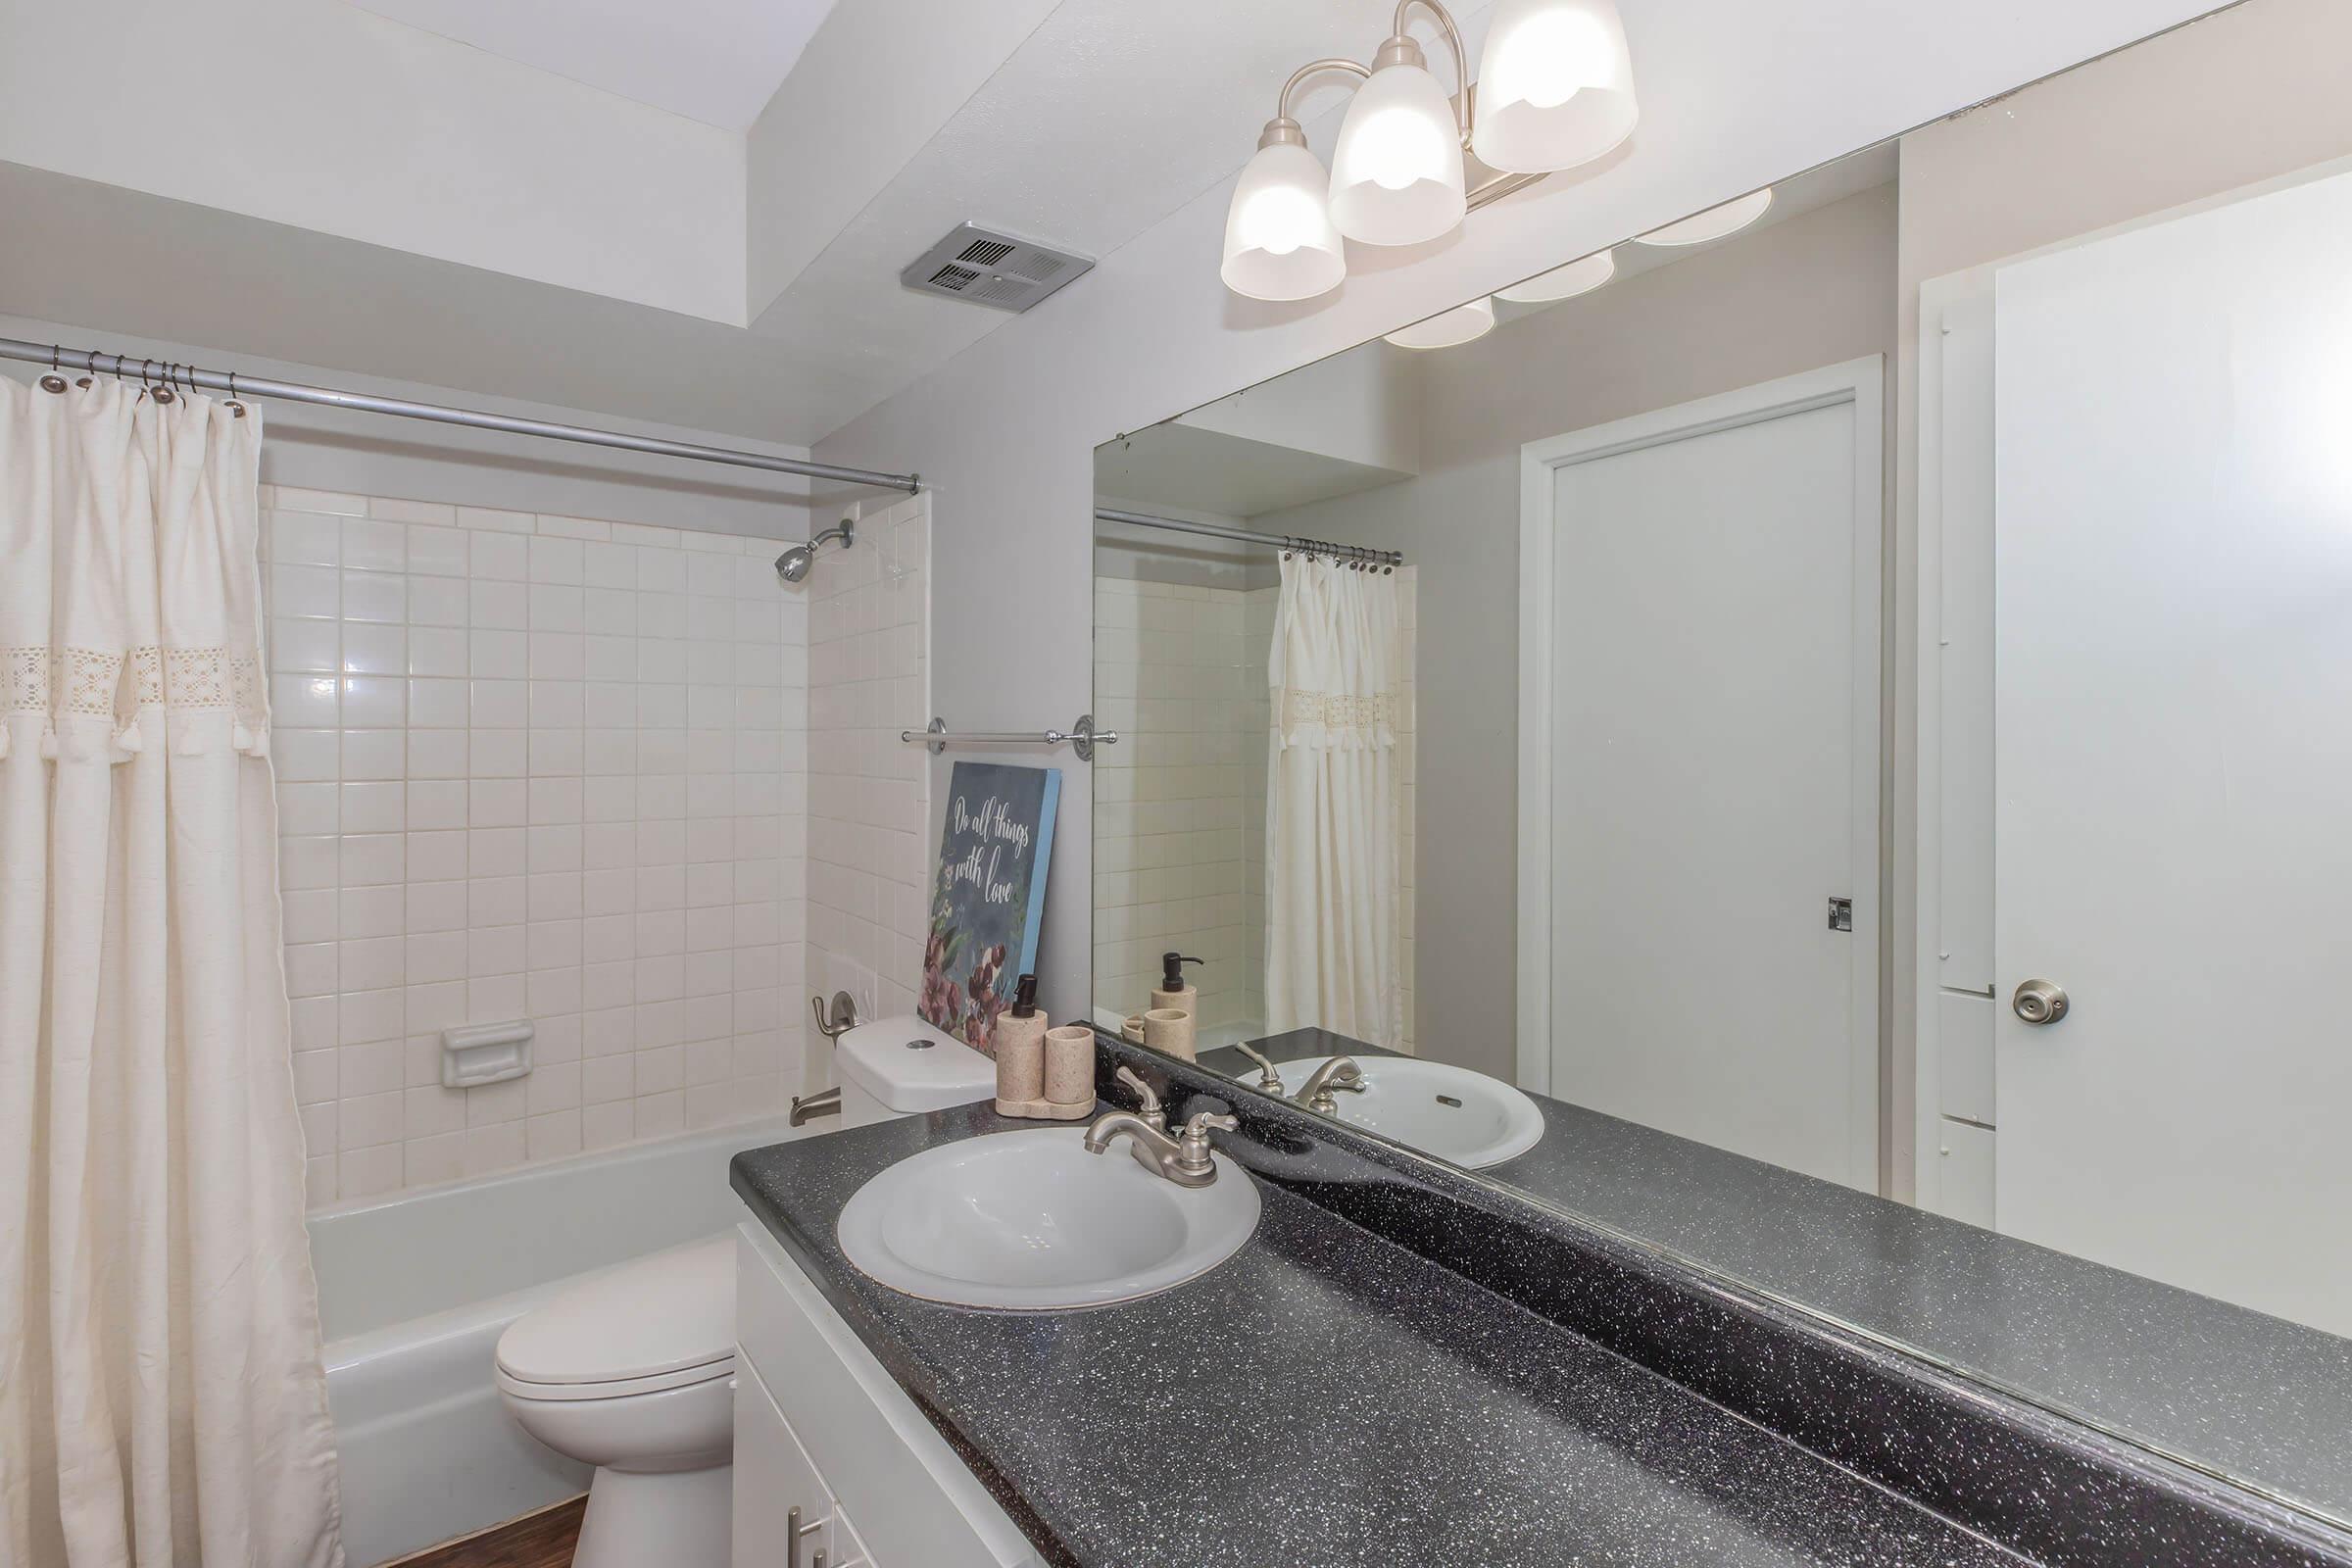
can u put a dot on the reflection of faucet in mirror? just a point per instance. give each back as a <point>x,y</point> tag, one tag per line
<point>1340,1072</point>
<point>1269,1080</point>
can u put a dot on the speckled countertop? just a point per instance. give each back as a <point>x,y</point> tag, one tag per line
<point>1327,1397</point>
<point>2249,1395</point>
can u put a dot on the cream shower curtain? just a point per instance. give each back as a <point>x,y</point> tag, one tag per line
<point>161,1396</point>
<point>1334,957</point>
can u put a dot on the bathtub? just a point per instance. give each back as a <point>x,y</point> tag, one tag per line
<point>415,1290</point>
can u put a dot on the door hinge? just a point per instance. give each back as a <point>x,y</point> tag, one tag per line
<point>1842,914</point>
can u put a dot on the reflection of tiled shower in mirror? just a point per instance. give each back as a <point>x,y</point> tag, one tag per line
<point>1182,634</point>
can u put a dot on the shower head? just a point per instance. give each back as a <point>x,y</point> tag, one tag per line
<point>793,564</point>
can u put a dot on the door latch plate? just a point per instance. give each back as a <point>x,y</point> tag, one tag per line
<point>1842,914</point>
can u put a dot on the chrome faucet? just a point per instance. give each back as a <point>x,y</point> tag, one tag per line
<point>1184,1160</point>
<point>1269,1080</point>
<point>1340,1072</point>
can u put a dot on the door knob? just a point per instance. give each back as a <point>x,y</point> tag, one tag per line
<point>2039,1002</point>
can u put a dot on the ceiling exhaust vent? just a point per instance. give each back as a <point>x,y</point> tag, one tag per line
<point>991,269</point>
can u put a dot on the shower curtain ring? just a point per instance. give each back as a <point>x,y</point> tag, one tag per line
<point>53,382</point>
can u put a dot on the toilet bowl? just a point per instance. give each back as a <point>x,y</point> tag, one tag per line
<point>632,1372</point>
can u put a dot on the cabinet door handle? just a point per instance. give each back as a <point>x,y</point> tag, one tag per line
<point>794,1533</point>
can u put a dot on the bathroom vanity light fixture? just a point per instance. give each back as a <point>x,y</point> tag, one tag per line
<point>1558,92</point>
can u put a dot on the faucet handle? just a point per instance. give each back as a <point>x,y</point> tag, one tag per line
<point>1269,1080</point>
<point>1191,1157</point>
<point>1150,1109</point>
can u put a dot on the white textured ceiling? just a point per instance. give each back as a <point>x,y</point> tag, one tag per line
<point>716,61</point>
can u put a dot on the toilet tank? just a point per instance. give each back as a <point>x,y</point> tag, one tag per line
<point>902,1066</point>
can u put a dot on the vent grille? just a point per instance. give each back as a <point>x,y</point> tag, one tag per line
<point>991,268</point>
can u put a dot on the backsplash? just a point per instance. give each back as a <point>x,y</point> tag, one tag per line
<point>532,767</point>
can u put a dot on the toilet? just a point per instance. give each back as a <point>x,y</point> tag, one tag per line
<point>632,1371</point>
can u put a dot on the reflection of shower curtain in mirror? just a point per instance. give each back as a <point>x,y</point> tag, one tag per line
<point>161,1394</point>
<point>1333,947</point>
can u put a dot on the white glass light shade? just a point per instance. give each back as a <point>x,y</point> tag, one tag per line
<point>1556,85</point>
<point>1564,283</point>
<point>1713,224</point>
<point>1446,328</point>
<point>1279,242</point>
<point>1396,173</point>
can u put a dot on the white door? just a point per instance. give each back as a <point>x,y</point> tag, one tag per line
<point>1699,684</point>
<point>2173,542</point>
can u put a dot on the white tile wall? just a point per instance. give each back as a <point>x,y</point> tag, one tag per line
<point>1180,813</point>
<point>1180,817</point>
<point>871,834</point>
<point>531,766</point>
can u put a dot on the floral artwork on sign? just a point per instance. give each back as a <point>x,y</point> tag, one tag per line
<point>988,899</point>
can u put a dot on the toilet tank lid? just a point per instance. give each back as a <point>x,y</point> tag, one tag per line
<point>910,1066</point>
<point>664,1312</point>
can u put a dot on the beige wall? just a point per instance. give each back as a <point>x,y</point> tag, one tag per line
<point>2240,97</point>
<point>1815,290</point>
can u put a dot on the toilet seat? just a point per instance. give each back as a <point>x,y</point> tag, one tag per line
<point>665,1321</point>
<point>653,1383</point>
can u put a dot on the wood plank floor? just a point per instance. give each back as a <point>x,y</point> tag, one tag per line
<point>542,1540</point>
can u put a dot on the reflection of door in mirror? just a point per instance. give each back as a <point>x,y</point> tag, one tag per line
<point>1698,701</point>
<point>2169,532</point>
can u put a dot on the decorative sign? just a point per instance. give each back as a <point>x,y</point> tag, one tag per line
<point>988,898</point>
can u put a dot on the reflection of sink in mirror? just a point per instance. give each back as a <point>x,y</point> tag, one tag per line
<point>1451,1113</point>
<point>1031,1221</point>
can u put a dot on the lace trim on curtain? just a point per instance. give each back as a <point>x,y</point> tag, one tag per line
<point>1339,719</point>
<point>90,682</point>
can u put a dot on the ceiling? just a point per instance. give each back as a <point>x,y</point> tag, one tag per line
<point>1182,467</point>
<point>1078,122</point>
<point>716,61</point>
<point>1082,130</point>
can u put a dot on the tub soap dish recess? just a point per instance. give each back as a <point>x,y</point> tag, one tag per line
<point>485,1053</point>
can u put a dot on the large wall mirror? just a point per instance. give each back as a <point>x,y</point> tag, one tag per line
<point>1820,737</point>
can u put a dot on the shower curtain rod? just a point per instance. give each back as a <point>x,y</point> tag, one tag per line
<point>1280,541</point>
<point>158,373</point>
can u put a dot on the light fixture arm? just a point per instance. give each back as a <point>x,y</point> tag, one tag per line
<point>1284,127</point>
<point>1465,109</point>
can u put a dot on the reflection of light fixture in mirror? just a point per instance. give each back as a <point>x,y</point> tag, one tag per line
<point>1561,85</point>
<point>1564,283</point>
<point>1279,242</point>
<point>1556,85</point>
<point>1713,224</point>
<point>1461,324</point>
<point>1396,174</point>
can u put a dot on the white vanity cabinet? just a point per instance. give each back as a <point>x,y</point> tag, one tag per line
<point>831,1457</point>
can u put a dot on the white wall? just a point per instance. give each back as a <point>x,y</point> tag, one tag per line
<point>1734,96</point>
<point>410,140</point>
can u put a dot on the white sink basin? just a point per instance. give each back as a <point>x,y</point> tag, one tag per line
<point>1033,1222</point>
<point>1451,1113</point>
